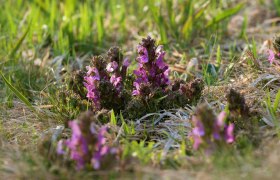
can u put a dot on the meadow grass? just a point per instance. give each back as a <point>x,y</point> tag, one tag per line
<point>43,41</point>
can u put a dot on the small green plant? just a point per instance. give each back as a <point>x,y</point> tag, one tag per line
<point>142,151</point>
<point>272,110</point>
<point>17,93</point>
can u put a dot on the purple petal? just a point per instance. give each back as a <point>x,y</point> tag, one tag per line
<point>95,163</point>
<point>197,142</point>
<point>60,147</point>
<point>104,150</point>
<point>115,80</point>
<point>112,66</point>
<point>199,128</point>
<point>271,56</point>
<point>135,92</point>
<point>229,136</point>
<point>143,55</point>
<point>221,119</point>
<point>75,128</point>
<point>126,62</point>
<point>216,132</point>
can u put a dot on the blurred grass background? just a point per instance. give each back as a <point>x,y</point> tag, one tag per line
<point>45,29</point>
<point>73,25</point>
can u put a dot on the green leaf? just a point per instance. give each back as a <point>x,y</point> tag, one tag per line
<point>161,98</point>
<point>113,118</point>
<point>18,44</point>
<point>225,14</point>
<point>17,93</point>
<point>187,26</point>
<point>277,100</point>
<point>125,127</point>
<point>218,56</point>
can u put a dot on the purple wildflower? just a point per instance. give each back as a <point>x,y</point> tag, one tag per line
<point>126,62</point>
<point>159,58</point>
<point>229,136</point>
<point>86,145</point>
<point>101,148</point>
<point>105,80</point>
<point>91,80</point>
<point>142,75</point>
<point>221,119</point>
<point>208,131</point>
<point>143,55</point>
<point>197,132</point>
<point>77,144</point>
<point>60,147</point>
<point>219,125</point>
<point>136,91</point>
<point>112,66</point>
<point>116,81</point>
<point>271,56</point>
<point>151,67</point>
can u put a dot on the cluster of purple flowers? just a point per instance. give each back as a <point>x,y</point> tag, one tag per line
<point>113,72</point>
<point>91,79</point>
<point>85,145</point>
<point>152,70</point>
<point>208,132</point>
<point>272,56</point>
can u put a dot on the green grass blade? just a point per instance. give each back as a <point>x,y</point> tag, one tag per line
<point>18,44</point>
<point>276,102</point>
<point>225,14</point>
<point>113,118</point>
<point>218,56</point>
<point>17,93</point>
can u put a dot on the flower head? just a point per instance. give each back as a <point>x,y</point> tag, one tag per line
<point>116,81</point>
<point>86,145</point>
<point>112,66</point>
<point>151,67</point>
<point>197,132</point>
<point>77,145</point>
<point>104,81</point>
<point>143,55</point>
<point>209,129</point>
<point>126,62</point>
<point>271,56</point>
<point>60,147</point>
<point>229,136</point>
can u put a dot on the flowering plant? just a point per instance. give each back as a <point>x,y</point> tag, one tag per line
<point>152,71</point>
<point>209,130</point>
<point>87,144</point>
<point>275,53</point>
<point>104,81</point>
<point>273,56</point>
<point>110,87</point>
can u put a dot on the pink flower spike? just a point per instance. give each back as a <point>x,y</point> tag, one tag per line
<point>60,147</point>
<point>221,119</point>
<point>197,142</point>
<point>271,56</point>
<point>229,136</point>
